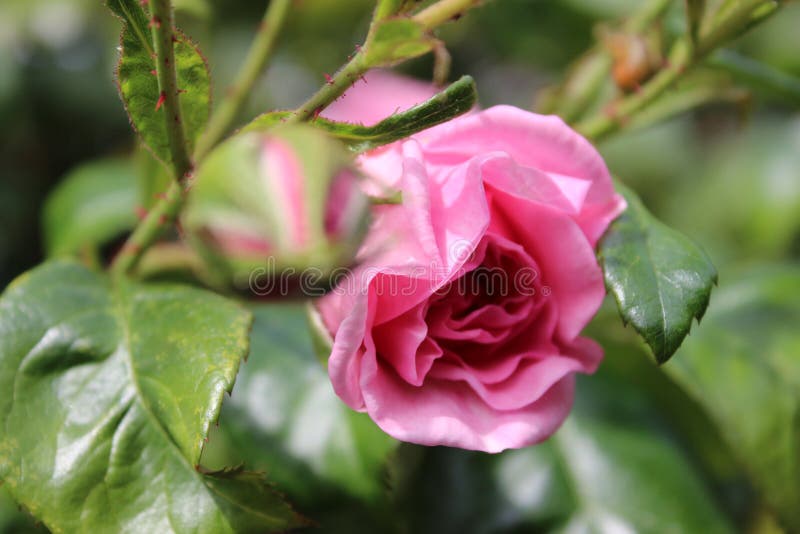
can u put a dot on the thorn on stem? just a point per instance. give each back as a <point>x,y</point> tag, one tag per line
<point>141,213</point>
<point>161,99</point>
<point>328,79</point>
<point>155,22</point>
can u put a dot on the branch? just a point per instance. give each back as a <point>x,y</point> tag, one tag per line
<point>163,38</point>
<point>157,220</point>
<point>167,209</point>
<point>443,11</point>
<point>237,94</point>
<point>333,88</point>
<point>683,57</point>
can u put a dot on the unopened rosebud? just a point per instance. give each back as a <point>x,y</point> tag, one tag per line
<point>279,211</point>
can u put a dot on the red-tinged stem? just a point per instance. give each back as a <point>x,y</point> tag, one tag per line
<point>167,209</point>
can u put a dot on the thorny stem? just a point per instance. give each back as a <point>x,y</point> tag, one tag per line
<point>155,222</point>
<point>164,41</point>
<point>429,18</point>
<point>167,208</point>
<point>681,59</point>
<point>443,11</point>
<point>253,66</point>
<point>333,88</point>
<point>582,87</point>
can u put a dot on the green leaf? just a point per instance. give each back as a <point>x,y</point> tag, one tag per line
<point>13,520</point>
<point>660,279</point>
<point>134,18</point>
<point>111,389</point>
<point>286,419</point>
<point>610,468</point>
<point>93,204</point>
<point>138,86</point>
<point>742,367</point>
<point>394,40</point>
<point>455,100</point>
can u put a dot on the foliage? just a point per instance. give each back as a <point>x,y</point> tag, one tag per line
<point>113,383</point>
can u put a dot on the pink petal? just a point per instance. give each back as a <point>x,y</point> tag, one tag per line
<point>380,94</point>
<point>534,376</point>
<point>450,413</point>
<point>570,271</point>
<point>540,142</point>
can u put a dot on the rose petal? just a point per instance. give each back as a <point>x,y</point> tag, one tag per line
<point>378,95</point>
<point>450,413</point>
<point>539,142</point>
<point>535,375</point>
<point>404,343</point>
<point>570,272</point>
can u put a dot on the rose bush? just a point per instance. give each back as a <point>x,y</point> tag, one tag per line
<point>461,324</point>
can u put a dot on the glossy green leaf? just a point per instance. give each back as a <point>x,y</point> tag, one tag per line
<point>610,468</point>
<point>13,520</point>
<point>285,418</point>
<point>394,40</point>
<point>660,279</point>
<point>455,100</point>
<point>743,366</point>
<point>93,204</point>
<point>111,389</point>
<point>138,86</point>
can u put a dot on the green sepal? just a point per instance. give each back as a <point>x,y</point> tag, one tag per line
<point>455,100</point>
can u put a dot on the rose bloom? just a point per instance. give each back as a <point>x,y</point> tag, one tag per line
<point>461,324</point>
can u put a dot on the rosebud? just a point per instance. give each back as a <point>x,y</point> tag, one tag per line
<point>277,212</point>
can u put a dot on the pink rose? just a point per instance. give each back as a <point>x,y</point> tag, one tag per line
<point>428,338</point>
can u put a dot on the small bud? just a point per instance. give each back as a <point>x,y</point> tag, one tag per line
<point>278,212</point>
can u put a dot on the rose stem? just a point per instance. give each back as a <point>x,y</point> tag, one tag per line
<point>581,93</point>
<point>236,97</point>
<point>429,18</point>
<point>443,11</point>
<point>168,207</point>
<point>681,59</point>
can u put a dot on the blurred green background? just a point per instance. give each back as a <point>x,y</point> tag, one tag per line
<point>710,442</point>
